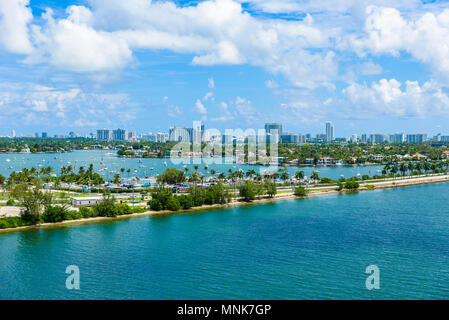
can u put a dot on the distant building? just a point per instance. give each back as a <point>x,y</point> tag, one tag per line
<point>329,132</point>
<point>44,135</point>
<point>396,137</point>
<point>132,136</point>
<point>120,135</point>
<point>273,131</point>
<point>180,134</point>
<point>416,138</point>
<point>364,138</point>
<point>376,138</point>
<point>104,135</point>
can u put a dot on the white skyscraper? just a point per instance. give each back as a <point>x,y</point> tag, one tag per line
<point>13,133</point>
<point>329,132</point>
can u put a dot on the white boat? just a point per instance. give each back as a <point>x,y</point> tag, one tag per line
<point>8,160</point>
<point>165,163</point>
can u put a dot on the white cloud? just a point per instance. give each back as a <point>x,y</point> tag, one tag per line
<point>199,107</point>
<point>425,37</point>
<point>211,83</point>
<point>34,104</point>
<point>209,96</point>
<point>15,15</point>
<point>72,44</point>
<point>391,98</point>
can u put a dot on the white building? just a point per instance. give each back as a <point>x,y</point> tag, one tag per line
<point>85,201</point>
<point>329,132</point>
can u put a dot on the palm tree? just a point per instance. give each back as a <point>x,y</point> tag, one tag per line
<point>403,168</point>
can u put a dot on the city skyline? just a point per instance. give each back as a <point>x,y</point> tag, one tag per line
<point>361,66</point>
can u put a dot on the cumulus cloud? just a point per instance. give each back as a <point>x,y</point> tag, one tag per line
<point>199,107</point>
<point>104,35</point>
<point>32,104</point>
<point>392,98</point>
<point>15,15</point>
<point>425,38</point>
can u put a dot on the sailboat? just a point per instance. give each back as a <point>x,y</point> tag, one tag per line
<point>165,163</point>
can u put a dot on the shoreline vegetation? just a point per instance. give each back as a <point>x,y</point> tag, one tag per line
<point>308,154</point>
<point>247,193</point>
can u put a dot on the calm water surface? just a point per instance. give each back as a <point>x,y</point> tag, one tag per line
<point>296,249</point>
<point>147,167</point>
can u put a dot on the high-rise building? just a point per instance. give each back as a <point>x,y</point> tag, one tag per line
<point>13,133</point>
<point>120,134</point>
<point>197,132</point>
<point>416,138</point>
<point>272,127</point>
<point>132,136</point>
<point>104,135</point>
<point>377,138</point>
<point>329,132</point>
<point>273,131</point>
<point>180,134</point>
<point>354,138</point>
<point>44,134</point>
<point>396,138</point>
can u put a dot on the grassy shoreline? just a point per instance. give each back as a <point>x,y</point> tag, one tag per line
<point>389,184</point>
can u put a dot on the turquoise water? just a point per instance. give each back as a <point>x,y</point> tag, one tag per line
<point>295,249</point>
<point>84,158</point>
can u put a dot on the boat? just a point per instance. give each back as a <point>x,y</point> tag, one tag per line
<point>8,160</point>
<point>165,163</point>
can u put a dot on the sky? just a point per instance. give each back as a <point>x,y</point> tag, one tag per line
<point>369,66</point>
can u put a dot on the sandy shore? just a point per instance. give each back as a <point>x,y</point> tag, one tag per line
<point>316,191</point>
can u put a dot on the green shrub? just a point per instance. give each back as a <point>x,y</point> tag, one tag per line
<point>186,201</point>
<point>248,191</point>
<point>365,177</point>
<point>326,180</point>
<point>86,212</point>
<point>300,191</point>
<point>74,215</point>
<point>55,214</point>
<point>10,202</point>
<point>198,196</point>
<point>155,205</point>
<point>351,185</point>
<point>271,188</point>
<point>13,222</point>
<point>173,204</point>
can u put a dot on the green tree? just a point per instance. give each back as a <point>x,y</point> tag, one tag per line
<point>300,191</point>
<point>270,187</point>
<point>116,179</point>
<point>248,191</point>
<point>33,199</point>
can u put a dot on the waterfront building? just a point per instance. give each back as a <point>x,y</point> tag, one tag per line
<point>396,137</point>
<point>376,138</point>
<point>444,138</point>
<point>132,136</point>
<point>416,138</point>
<point>180,134</point>
<point>354,138</point>
<point>329,132</point>
<point>120,134</point>
<point>289,138</point>
<point>273,132</point>
<point>104,135</point>
<point>364,138</point>
<point>85,201</point>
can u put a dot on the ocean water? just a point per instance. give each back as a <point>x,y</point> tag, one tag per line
<point>148,167</point>
<point>316,248</point>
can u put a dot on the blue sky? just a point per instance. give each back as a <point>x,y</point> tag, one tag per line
<point>368,66</point>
